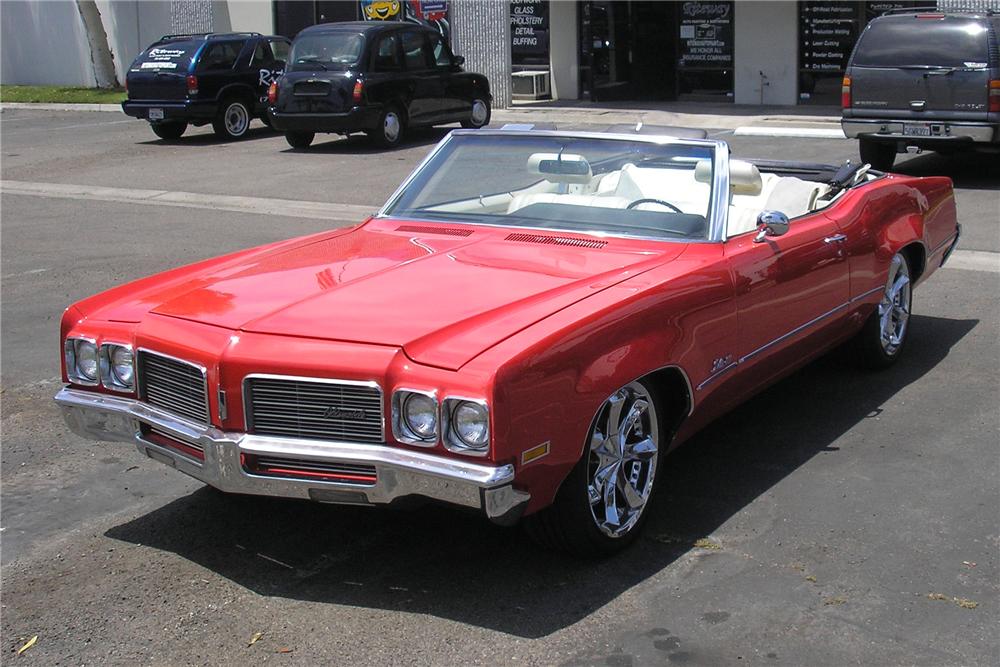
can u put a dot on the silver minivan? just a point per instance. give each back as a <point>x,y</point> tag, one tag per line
<point>924,80</point>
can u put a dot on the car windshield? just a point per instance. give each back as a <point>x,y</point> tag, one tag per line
<point>167,56</point>
<point>332,50</point>
<point>571,183</point>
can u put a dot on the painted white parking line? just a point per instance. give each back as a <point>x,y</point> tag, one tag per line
<point>256,205</point>
<point>974,260</point>
<point>799,132</point>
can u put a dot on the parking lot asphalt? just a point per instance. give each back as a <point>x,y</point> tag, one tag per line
<point>837,518</point>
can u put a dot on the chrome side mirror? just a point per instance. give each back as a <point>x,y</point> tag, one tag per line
<point>770,223</point>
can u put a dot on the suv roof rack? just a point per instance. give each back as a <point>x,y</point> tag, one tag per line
<point>940,10</point>
<point>206,35</point>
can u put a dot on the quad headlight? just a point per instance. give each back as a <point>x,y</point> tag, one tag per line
<point>82,365</point>
<point>467,426</point>
<point>415,417</point>
<point>117,367</point>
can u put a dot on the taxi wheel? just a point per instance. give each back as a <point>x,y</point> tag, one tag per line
<point>390,129</point>
<point>479,115</point>
<point>168,131</point>
<point>233,120</point>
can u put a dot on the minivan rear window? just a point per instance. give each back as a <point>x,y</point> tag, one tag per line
<point>332,50</point>
<point>914,42</point>
<point>172,56</point>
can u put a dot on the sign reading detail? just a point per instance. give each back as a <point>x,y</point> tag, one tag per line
<point>529,31</point>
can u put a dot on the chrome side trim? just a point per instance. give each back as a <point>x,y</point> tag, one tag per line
<point>865,295</point>
<point>711,378</point>
<point>793,332</point>
<point>401,472</point>
<point>954,244</point>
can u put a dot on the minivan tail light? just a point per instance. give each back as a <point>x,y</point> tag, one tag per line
<point>845,93</point>
<point>994,95</point>
<point>192,84</point>
<point>272,93</point>
<point>359,88</point>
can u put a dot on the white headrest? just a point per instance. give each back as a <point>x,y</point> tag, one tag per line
<point>744,178</point>
<point>573,168</point>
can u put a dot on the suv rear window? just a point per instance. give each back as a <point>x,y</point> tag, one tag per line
<point>332,50</point>
<point>220,55</point>
<point>948,42</point>
<point>167,56</point>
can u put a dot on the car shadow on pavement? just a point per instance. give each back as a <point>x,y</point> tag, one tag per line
<point>359,143</point>
<point>196,137</point>
<point>460,567</point>
<point>977,171</point>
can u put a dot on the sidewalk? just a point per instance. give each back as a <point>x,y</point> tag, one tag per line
<point>773,121</point>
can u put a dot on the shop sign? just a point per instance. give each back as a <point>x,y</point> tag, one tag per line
<point>706,35</point>
<point>529,30</point>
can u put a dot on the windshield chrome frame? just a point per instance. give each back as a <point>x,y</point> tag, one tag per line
<point>718,208</point>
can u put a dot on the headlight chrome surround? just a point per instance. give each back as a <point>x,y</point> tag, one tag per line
<point>453,439</point>
<point>111,377</point>
<point>403,429</point>
<point>74,348</point>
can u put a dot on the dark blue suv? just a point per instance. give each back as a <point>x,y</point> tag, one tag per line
<point>214,78</point>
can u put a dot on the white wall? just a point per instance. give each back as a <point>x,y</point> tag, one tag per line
<point>249,16</point>
<point>132,25</point>
<point>766,40</point>
<point>30,30</point>
<point>564,52</point>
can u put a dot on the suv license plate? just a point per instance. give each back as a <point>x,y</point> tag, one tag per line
<point>157,114</point>
<point>917,130</point>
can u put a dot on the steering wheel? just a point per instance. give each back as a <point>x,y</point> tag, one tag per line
<point>650,200</point>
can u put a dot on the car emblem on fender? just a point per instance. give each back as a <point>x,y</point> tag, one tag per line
<point>333,412</point>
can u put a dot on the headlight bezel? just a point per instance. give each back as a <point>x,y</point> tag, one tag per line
<point>453,441</point>
<point>402,430</point>
<point>71,357</point>
<point>109,376</point>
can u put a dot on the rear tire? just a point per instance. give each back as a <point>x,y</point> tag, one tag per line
<point>233,120</point>
<point>603,503</point>
<point>168,131</point>
<point>390,129</point>
<point>479,115</point>
<point>299,139</point>
<point>879,154</point>
<point>880,343</point>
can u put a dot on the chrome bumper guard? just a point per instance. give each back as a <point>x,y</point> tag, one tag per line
<point>400,473</point>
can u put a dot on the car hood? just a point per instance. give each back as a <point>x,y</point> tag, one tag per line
<point>442,297</point>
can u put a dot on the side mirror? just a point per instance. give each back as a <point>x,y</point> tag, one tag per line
<point>770,223</point>
<point>458,61</point>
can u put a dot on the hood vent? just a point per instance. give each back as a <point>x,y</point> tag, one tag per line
<point>418,229</point>
<point>556,240</point>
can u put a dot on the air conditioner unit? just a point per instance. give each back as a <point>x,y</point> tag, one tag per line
<point>530,85</point>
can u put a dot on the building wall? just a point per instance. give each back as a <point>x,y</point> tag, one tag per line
<point>481,33</point>
<point>564,50</point>
<point>766,40</point>
<point>132,25</point>
<point>247,16</point>
<point>29,30</point>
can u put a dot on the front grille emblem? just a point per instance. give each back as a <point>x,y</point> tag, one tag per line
<point>334,412</point>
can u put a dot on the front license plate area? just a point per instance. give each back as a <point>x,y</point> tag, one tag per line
<point>916,130</point>
<point>156,114</point>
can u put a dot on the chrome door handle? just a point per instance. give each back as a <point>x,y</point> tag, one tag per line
<point>836,238</point>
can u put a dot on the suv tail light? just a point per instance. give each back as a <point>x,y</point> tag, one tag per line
<point>845,93</point>
<point>359,89</point>
<point>272,93</point>
<point>994,95</point>
<point>192,84</point>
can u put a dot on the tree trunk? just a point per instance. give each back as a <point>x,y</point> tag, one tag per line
<point>100,50</point>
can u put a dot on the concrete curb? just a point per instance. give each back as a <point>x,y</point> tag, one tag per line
<point>52,106</point>
<point>799,132</point>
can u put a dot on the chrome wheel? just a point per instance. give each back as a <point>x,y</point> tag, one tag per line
<point>237,119</point>
<point>624,445</point>
<point>480,112</point>
<point>894,309</point>
<point>391,127</point>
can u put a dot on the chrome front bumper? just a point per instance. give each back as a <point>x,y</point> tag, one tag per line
<point>950,131</point>
<point>401,474</point>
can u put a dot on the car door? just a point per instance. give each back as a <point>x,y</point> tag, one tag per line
<point>217,65</point>
<point>426,89</point>
<point>792,293</point>
<point>263,67</point>
<point>455,85</point>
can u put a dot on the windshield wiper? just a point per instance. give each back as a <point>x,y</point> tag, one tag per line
<point>313,61</point>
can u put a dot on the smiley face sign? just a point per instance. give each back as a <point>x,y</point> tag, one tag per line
<point>381,10</point>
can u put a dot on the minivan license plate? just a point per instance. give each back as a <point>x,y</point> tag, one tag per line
<point>156,114</point>
<point>917,130</point>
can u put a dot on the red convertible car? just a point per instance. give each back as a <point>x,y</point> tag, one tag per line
<point>527,327</point>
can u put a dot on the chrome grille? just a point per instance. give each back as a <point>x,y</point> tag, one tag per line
<point>309,408</point>
<point>173,385</point>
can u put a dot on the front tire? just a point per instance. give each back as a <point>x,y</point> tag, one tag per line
<point>880,343</point>
<point>299,139</point>
<point>879,154</point>
<point>168,131</point>
<point>479,116</point>
<point>233,120</point>
<point>390,129</point>
<point>600,507</point>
